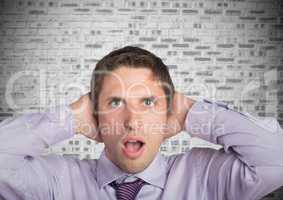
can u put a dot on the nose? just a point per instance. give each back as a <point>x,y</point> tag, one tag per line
<point>132,120</point>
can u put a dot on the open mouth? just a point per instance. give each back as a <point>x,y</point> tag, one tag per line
<point>133,147</point>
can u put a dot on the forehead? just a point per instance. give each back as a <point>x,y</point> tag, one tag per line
<point>131,81</point>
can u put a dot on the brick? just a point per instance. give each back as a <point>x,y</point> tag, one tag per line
<point>123,10</point>
<point>93,46</point>
<point>267,19</point>
<point>211,81</point>
<point>202,47</point>
<point>244,61</point>
<point>204,73</point>
<point>190,80</point>
<point>91,60</point>
<point>257,12</point>
<point>182,72</point>
<point>194,93</point>
<point>189,12</point>
<point>248,18</point>
<point>246,46</point>
<point>6,115</point>
<point>202,59</point>
<point>180,45</point>
<point>258,66</point>
<point>191,40</point>
<point>148,39</point>
<point>247,101</point>
<point>165,4</point>
<point>278,39</point>
<point>69,5</point>
<point>233,80</point>
<point>225,46</point>
<point>104,11</point>
<point>138,17</point>
<point>176,5</point>
<point>233,12</point>
<point>191,53</point>
<point>93,4</point>
<point>225,59</point>
<point>169,40</point>
<point>212,12</point>
<point>160,46</point>
<point>81,9</point>
<point>172,66</point>
<point>169,11</point>
<point>37,12</point>
<point>224,88</point>
<point>278,26</point>
<point>256,41</point>
<point>213,53</point>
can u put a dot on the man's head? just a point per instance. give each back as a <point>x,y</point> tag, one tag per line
<point>132,93</point>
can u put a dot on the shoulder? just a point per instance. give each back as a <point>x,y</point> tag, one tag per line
<point>58,165</point>
<point>200,158</point>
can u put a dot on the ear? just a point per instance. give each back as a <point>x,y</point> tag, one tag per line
<point>98,136</point>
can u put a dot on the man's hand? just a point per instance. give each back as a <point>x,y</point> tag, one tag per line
<point>85,123</point>
<point>176,119</point>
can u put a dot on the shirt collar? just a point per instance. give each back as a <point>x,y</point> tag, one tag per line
<point>155,174</point>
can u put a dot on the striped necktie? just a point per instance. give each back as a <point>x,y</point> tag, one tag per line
<point>129,190</point>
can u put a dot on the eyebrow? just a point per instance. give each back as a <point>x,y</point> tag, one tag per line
<point>113,98</point>
<point>153,98</point>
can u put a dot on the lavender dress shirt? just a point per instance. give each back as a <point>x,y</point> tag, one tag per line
<point>249,166</point>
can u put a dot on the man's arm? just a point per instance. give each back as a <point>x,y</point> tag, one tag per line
<point>22,141</point>
<point>251,163</point>
<point>24,173</point>
<point>31,134</point>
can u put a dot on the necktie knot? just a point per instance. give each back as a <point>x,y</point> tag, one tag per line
<point>129,190</point>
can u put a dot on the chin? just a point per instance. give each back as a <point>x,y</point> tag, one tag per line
<point>134,170</point>
<point>134,167</point>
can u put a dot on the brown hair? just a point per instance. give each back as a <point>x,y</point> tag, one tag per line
<point>132,57</point>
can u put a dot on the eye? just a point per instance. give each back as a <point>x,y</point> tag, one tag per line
<point>148,102</point>
<point>115,103</point>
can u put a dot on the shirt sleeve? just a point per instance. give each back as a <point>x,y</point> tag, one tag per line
<point>22,140</point>
<point>250,164</point>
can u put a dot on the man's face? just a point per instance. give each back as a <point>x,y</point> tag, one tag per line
<point>132,117</point>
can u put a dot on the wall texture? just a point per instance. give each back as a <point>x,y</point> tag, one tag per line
<point>228,50</point>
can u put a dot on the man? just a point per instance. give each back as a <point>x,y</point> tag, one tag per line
<point>132,108</point>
